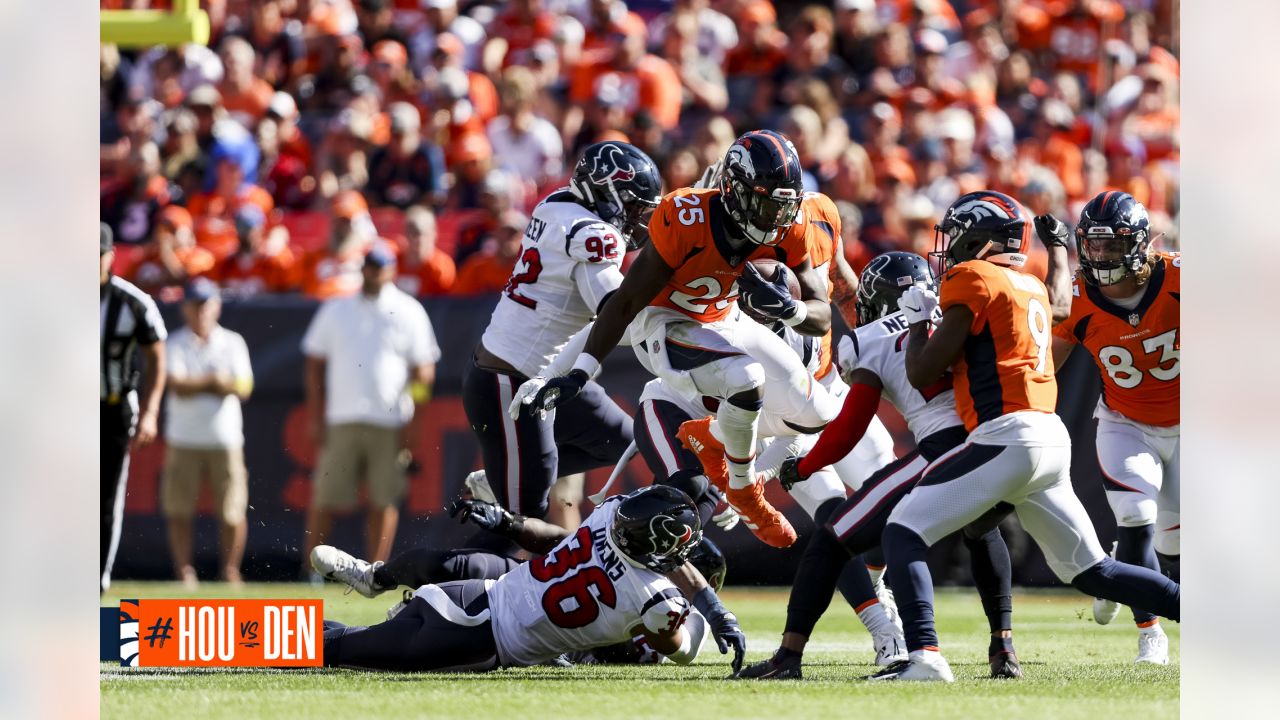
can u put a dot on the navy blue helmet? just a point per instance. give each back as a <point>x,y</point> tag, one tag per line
<point>983,225</point>
<point>621,184</point>
<point>1113,239</point>
<point>883,281</point>
<point>657,527</point>
<point>761,185</point>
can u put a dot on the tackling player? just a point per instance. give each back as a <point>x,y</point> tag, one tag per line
<point>995,338</point>
<point>569,265</point>
<point>1125,310</point>
<point>616,577</point>
<point>680,292</point>
<point>871,359</point>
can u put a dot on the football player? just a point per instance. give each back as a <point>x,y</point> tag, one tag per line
<point>681,293</point>
<point>620,574</point>
<point>428,566</point>
<point>871,360</point>
<point>569,265</point>
<point>1125,310</point>
<point>995,337</point>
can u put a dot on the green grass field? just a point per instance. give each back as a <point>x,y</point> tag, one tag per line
<point>1074,669</point>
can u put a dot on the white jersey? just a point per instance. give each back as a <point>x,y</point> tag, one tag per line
<point>880,347</point>
<point>581,595</point>
<point>570,260</point>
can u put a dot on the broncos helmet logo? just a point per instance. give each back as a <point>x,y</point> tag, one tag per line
<point>740,157</point>
<point>610,164</point>
<point>668,534</point>
<point>974,210</point>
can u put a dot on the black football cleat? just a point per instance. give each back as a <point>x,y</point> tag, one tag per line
<point>1004,665</point>
<point>782,666</point>
<point>890,671</point>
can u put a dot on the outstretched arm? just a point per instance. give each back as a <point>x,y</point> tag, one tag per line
<point>839,437</point>
<point>1053,233</point>
<point>642,283</point>
<point>536,536</point>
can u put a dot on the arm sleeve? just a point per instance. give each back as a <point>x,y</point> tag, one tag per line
<point>595,282</point>
<point>962,285</point>
<point>665,611</point>
<point>563,362</point>
<point>318,340</point>
<point>838,438</point>
<point>1067,328</point>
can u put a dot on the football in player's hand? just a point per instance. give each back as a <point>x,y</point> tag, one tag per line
<point>769,270</point>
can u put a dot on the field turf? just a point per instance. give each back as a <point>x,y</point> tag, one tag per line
<point>1074,669</point>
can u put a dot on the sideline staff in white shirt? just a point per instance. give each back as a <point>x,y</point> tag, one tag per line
<point>370,363</point>
<point>209,376</point>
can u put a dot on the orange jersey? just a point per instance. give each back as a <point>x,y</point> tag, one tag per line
<point>819,224</point>
<point>687,230</point>
<point>1136,350</point>
<point>1006,365</point>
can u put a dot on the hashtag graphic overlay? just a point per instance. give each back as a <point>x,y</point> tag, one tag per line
<point>159,631</point>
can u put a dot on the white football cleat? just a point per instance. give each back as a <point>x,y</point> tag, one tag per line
<point>922,666</point>
<point>1153,646</point>
<point>890,646</point>
<point>340,566</point>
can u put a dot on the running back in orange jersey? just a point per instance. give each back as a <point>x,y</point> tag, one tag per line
<point>1136,350</point>
<point>687,230</point>
<point>1007,365</point>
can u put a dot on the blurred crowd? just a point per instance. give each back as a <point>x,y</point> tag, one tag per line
<point>310,131</point>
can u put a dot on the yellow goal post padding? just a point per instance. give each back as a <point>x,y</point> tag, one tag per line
<point>186,23</point>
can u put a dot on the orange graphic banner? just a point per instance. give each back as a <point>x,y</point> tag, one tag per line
<point>229,633</point>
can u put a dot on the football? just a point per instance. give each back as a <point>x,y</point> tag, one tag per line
<point>769,270</point>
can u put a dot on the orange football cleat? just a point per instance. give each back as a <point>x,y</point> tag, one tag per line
<point>762,518</point>
<point>696,436</point>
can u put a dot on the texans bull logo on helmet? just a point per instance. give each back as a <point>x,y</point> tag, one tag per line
<point>610,164</point>
<point>668,534</point>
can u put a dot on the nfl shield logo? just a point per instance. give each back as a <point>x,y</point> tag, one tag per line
<point>1134,319</point>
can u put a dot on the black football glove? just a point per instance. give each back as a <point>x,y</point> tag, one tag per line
<point>560,390</point>
<point>490,516</point>
<point>769,298</point>
<point>789,473</point>
<point>1051,231</point>
<point>724,625</point>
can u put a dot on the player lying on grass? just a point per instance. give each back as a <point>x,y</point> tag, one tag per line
<point>620,574</point>
<point>871,359</point>
<point>428,566</point>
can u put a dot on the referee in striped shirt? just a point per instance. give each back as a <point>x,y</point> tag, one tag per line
<point>127,319</point>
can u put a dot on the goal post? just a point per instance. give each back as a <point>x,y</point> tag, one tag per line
<point>186,23</point>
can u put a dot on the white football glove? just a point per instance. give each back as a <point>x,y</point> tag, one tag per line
<point>917,304</point>
<point>525,394</point>
<point>726,520</point>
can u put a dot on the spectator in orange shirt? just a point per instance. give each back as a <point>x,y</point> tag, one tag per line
<point>389,70</point>
<point>517,28</point>
<point>171,257</point>
<point>424,270</point>
<point>1155,118</point>
<point>643,80</point>
<point>214,211</point>
<point>335,271</point>
<point>488,270</point>
<point>1052,146</point>
<point>264,263</point>
<point>470,160</point>
<point>245,96</point>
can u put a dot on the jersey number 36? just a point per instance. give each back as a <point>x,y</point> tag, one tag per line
<point>570,603</point>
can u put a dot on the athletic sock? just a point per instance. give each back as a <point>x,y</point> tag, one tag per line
<point>908,572</point>
<point>874,618</point>
<point>876,573</point>
<point>993,576</point>
<point>735,428</point>
<point>1134,546</point>
<point>999,645</point>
